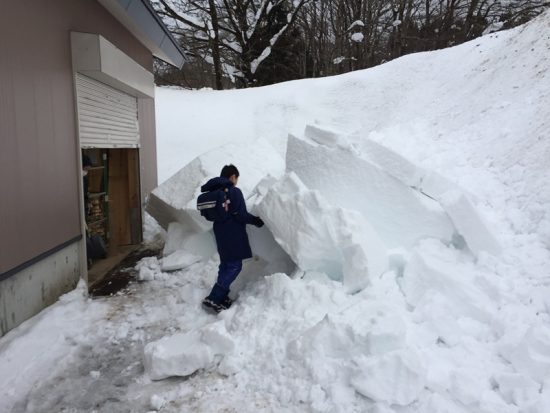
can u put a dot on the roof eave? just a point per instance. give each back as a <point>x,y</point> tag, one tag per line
<point>139,17</point>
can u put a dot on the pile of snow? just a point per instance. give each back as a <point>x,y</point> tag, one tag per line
<point>423,192</point>
<point>308,342</point>
<point>52,339</point>
<point>336,211</point>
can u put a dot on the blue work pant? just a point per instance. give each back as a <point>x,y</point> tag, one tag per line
<point>227,272</point>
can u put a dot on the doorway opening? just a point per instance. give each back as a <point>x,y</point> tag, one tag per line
<point>112,207</point>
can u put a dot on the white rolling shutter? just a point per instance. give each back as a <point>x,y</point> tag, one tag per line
<point>107,117</point>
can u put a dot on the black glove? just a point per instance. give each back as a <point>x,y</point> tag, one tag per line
<point>258,222</point>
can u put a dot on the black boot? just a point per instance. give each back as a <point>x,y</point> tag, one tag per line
<point>211,306</point>
<point>226,303</point>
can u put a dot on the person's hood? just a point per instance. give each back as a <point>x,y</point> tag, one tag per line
<point>216,183</point>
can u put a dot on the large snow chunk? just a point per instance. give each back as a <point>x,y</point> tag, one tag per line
<point>396,378</point>
<point>517,389</point>
<point>431,270</point>
<point>393,163</point>
<point>321,237</point>
<point>399,214</point>
<point>178,238</point>
<point>365,328</point>
<point>531,355</point>
<point>455,201</point>
<point>178,260</point>
<point>175,199</point>
<point>470,224</point>
<point>175,237</point>
<point>183,354</point>
<point>184,247</point>
<point>322,135</point>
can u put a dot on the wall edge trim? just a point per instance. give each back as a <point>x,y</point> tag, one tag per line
<point>38,258</point>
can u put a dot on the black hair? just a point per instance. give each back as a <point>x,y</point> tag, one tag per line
<point>228,171</point>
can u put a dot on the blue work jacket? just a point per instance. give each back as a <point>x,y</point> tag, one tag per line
<point>231,236</point>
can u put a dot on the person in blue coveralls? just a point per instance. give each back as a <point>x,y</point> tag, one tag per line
<point>231,238</point>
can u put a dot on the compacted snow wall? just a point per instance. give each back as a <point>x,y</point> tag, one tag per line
<point>339,209</point>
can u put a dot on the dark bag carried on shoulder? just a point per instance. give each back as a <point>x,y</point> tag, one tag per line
<point>214,205</point>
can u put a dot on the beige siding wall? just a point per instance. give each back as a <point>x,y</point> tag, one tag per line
<point>39,167</point>
<point>148,151</point>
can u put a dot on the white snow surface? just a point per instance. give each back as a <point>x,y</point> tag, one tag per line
<point>457,321</point>
<point>357,37</point>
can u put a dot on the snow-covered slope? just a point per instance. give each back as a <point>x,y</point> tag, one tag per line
<point>463,330</point>
<point>478,114</point>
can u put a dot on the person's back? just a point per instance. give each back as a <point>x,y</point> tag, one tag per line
<point>231,237</point>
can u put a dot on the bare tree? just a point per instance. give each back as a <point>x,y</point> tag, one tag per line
<point>256,42</point>
<point>237,36</point>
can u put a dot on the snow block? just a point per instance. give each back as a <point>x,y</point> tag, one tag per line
<point>435,403</point>
<point>178,260</point>
<point>184,248</point>
<point>436,185</point>
<point>183,354</point>
<point>265,247</point>
<point>320,237</point>
<point>400,215</point>
<point>322,135</point>
<point>177,355</point>
<point>175,199</point>
<point>393,163</point>
<point>531,355</point>
<point>428,271</point>
<point>175,237</point>
<point>517,389</point>
<point>147,268</point>
<point>329,348</point>
<point>178,238</point>
<point>396,378</point>
<point>470,224</point>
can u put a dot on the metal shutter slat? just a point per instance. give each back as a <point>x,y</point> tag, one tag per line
<point>107,117</point>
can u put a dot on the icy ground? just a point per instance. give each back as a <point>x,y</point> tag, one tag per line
<point>451,325</point>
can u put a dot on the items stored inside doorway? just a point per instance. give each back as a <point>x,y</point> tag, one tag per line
<point>112,207</point>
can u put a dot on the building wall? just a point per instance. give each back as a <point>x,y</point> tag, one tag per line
<point>40,175</point>
<point>39,167</point>
<point>37,286</point>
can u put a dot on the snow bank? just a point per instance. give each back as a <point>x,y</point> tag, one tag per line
<point>54,337</point>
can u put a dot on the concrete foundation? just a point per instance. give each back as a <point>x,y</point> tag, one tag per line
<point>28,292</point>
